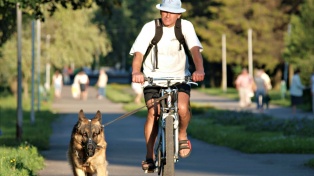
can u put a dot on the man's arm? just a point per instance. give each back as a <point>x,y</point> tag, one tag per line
<point>137,75</point>
<point>199,73</point>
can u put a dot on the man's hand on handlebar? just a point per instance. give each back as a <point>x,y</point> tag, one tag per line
<point>138,77</point>
<point>198,76</point>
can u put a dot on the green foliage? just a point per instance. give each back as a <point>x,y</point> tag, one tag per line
<point>310,163</point>
<point>43,120</point>
<point>233,18</point>
<point>78,42</point>
<point>22,157</point>
<point>23,160</point>
<point>249,133</point>
<point>115,93</point>
<point>292,127</point>
<point>123,26</point>
<point>299,49</point>
<point>36,9</point>
<point>198,108</point>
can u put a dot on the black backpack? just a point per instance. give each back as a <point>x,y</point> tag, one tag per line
<point>180,38</point>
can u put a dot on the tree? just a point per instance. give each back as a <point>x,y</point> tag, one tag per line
<point>267,19</point>
<point>299,50</point>
<point>122,27</point>
<point>76,41</point>
<point>40,9</point>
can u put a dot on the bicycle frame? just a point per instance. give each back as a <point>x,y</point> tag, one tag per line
<point>171,110</point>
<point>167,142</point>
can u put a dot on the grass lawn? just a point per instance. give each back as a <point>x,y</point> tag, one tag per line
<point>22,157</point>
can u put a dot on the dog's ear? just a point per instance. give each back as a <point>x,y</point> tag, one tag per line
<point>98,116</point>
<point>81,115</point>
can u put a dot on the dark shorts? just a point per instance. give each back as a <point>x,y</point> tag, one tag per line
<point>296,100</point>
<point>82,87</point>
<point>151,92</point>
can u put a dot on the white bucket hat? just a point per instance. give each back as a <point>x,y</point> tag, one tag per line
<point>173,6</point>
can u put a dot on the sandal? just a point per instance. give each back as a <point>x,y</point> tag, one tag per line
<point>185,144</point>
<point>148,165</point>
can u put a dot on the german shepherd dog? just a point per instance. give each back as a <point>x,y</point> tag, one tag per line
<point>87,149</point>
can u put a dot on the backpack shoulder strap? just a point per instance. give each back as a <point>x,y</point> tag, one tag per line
<point>181,39</point>
<point>178,32</point>
<point>158,31</point>
<point>157,37</point>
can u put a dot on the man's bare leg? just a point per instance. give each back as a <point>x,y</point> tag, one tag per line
<point>185,116</point>
<point>151,129</point>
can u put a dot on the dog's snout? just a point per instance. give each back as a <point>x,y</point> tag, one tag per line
<point>90,147</point>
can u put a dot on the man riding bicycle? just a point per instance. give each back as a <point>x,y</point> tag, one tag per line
<point>167,58</point>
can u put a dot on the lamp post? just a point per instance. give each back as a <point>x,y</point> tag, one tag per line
<point>224,64</point>
<point>250,52</point>
<point>19,121</point>
<point>38,63</point>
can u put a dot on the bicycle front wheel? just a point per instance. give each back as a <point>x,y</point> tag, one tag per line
<point>168,169</point>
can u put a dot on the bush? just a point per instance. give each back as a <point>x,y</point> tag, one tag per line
<point>23,160</point>
<point>251,133</point>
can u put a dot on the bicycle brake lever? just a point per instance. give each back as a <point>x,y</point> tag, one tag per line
<point>190,82</point>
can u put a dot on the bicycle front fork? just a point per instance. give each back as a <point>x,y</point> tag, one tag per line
<point>161,136</point>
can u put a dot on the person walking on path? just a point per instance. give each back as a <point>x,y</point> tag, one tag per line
<point>267,80</point>
<point>66,75</point>
<point>312,90</point>
<point>244,84</point>
<point>296,91</point>
<point>57,83</point>
<point>261,91</point>
<point>82,79</point>
<point>102,84</point>
<point>172,61</point>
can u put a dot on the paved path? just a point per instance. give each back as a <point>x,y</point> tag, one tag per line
<point>126,146</point>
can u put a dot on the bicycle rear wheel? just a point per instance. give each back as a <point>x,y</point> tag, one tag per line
<point>168,167</point>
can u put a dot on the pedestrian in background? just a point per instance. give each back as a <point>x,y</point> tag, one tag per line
<point>244,84</point>
<point>296,91</point>
<point>312,90</point>
<point>267,80</point>
<point>261,90</point>
<point>57,83</point>
<point>102,83</point>
<point>82,79</point>
<point>66,75</point>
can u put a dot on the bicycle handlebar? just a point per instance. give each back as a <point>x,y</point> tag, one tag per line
<point>186,79</point>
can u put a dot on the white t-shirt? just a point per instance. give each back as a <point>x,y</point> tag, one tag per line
<point>102,80</point>
<point>266,78</point>
<point>81,79</point>
<point>172,62</point>
<point>57,79</point>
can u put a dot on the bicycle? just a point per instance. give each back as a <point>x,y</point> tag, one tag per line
<point>167,143</point>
